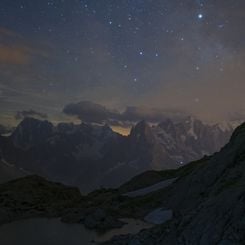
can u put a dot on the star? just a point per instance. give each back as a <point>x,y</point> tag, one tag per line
<point>200,16</point>
<point>130,44</point>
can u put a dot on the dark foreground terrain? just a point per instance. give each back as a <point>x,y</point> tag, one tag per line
<point>207,199</point>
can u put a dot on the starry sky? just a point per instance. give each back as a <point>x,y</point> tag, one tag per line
<point>126,56</point>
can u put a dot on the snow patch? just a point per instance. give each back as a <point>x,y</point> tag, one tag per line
<point>159,216</point>
<point>149,189</point>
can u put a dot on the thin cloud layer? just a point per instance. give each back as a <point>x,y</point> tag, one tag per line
<point>91,112</point>
<point>29,113</point>
<point>15,50</point>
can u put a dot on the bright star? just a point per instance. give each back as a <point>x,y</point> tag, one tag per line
<point>200,16</point>
<point>141,52</point>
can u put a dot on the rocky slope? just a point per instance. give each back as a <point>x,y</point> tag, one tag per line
<point>90,156</point>
<point>208,202</point>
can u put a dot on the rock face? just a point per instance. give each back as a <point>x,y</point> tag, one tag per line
<point>31,132</point>
<point>91,156</point>
<point>191,139</point>
<point>208,203</point>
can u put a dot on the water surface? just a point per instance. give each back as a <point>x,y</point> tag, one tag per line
<point>42,231</point>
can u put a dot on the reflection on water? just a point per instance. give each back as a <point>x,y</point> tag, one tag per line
<point>132,226</point>
<point>53,232</point>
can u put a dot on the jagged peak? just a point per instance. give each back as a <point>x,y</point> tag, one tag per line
<point>142,123</point>
<point>166,123</point>
<point>140,127</point>
<point>31,131</point>
<point>27,121</point>
<point>142,132</point>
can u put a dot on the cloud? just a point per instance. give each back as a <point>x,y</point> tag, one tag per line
<point>29,113</point>
<point>14,55</point>
<point>88,111</point>
<point>14,49</point>
<point>154,115</point>
<point>236,116</point>
<point>6,32</point>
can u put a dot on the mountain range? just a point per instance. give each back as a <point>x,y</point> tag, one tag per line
<point>92,156</point>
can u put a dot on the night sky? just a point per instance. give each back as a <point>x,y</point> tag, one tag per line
<point>128,56</point>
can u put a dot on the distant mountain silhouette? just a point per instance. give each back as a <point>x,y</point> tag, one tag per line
<point>90,156</point>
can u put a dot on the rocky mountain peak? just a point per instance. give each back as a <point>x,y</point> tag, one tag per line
<point>31,131</point>
<point>167,125</point>
<point>142,133</point>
